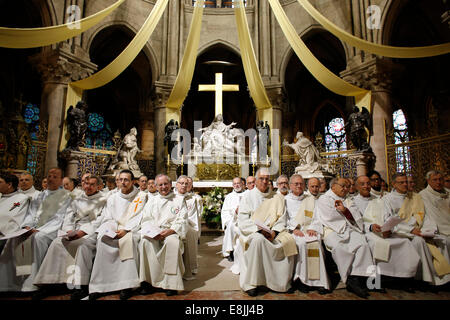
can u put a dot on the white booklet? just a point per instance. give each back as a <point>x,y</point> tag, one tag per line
<point>310,239</point>
<point>14,234</point>
<point>150,230</point>
<point>391,223</point>
<point>108,229</point>
<point>262,226</point>
<point>65,234</point>
<point>427,233</point>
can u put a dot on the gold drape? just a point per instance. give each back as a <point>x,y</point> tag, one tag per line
<point>382,50</point>
<point>186,72</point>
<point>118,65</point>
<point>315,67</point>
<point>255,83</point>
<point>20,38</point>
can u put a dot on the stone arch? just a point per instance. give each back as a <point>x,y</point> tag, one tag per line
<point>228,45</point>
<point>129,28</point>
<point>305,34</point>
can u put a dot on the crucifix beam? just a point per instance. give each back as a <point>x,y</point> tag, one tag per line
<point>218,87</point>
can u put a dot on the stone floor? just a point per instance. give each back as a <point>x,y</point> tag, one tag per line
<point>215,281</point>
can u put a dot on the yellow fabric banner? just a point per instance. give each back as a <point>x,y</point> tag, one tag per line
<point>315,67</point>
<point>117,66</point>
<point>382,50</point>
<point>186,72</point>
<point>255,83</point>
<point>20,38</point>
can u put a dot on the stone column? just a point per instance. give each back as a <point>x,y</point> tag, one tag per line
<point>159,125</point>
<point>377,75</point>
<point>364,162</point>
<point>58,68</point>
<point>72,159</point>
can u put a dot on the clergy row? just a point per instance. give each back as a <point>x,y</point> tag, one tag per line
<point>277,239</point>
<point>98,242</point>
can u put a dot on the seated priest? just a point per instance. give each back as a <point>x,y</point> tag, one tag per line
<point>313,185</point>
<point>343,236</point>
<point>437,209</point>
<point>416,225</point>
<point>310,271</point>
<point>191,241</point>
<point>116,262</point>
<point>394,257</point>
<point>228,217</point>
<point>26,185</point>
<point>164,227</point>
<point>268,248</point>
<point>22,256</point>
<point>70,257</point>
<point>13,205</point>
<point>199,205</point>
<point>283,185</point>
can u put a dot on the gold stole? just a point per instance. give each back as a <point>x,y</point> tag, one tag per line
<point>268,213</point>
<point>303,218</point>
<point>47,209</point>
<point>413,206</point>
<point>126,242</point>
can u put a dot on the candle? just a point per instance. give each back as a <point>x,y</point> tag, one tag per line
<point>168,160</point>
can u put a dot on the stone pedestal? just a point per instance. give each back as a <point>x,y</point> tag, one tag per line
<point>72,159</point>
<point>365,161</point>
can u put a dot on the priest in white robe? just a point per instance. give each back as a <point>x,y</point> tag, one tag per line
<point>70,257</point>
<point>161,248</point>
<point>116,262</point>
<point>434,267</point>
<point>343,236</point>
<point>375,184</point>
<point>151,187</point>
<point>190,259</point>
<point>26,185</point>
<point>199,205</point>
<point>310,268</point>
<point>313,185</point>
<point>393,256</point>
<point>13,206</point>
<point>268,249</point>
<point>283,185</point>
<point>228,217</point>
<point>437,205</point>
<point>22,256</point>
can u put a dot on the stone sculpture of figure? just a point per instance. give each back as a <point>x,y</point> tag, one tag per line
<point>309,155</point>
<point>125,158</point>
<point>170,127</point>
<point>130,149</point>
<point>77,123</point>
<point>218,138</point>
<point>263,130</point>
<point>356,128</point>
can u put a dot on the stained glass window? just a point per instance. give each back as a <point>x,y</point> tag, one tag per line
<point>99,134</point>
<point>335,136</point>
<point>400,136</point>
<point>31,115</point>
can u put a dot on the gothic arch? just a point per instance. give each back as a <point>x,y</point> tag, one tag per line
<point>205,47</point>
<point>129,29</point>
<point>304,35</point>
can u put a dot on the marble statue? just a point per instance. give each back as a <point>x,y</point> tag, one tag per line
<point>310,163</point>
<point>126,154</point>
<point>218,139</point>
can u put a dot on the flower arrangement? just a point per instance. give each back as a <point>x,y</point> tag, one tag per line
<point>213,202</point>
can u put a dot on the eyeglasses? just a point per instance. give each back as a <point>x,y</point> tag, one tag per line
<point>343,186</point>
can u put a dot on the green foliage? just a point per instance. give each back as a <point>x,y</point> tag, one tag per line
<point>213,202</point>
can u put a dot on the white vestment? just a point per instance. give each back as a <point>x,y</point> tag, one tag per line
<point>264,262</point>
<point>45,214</point>
<point>13,208</point>
<point>437,209</point>
<point>305,221</point>
<point>161,262</point>
<point>346,241</point>
<point>32,192</point>
<point>393,256</point>
<point>71,261</point>
<point>191,240</point>
<point>116,262</point>
<point>200,211</point>
<point>393,201</point>
<point>228,218</point>
<point>378,194</point>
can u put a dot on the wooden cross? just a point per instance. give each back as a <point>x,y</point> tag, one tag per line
<point>218,87</point>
